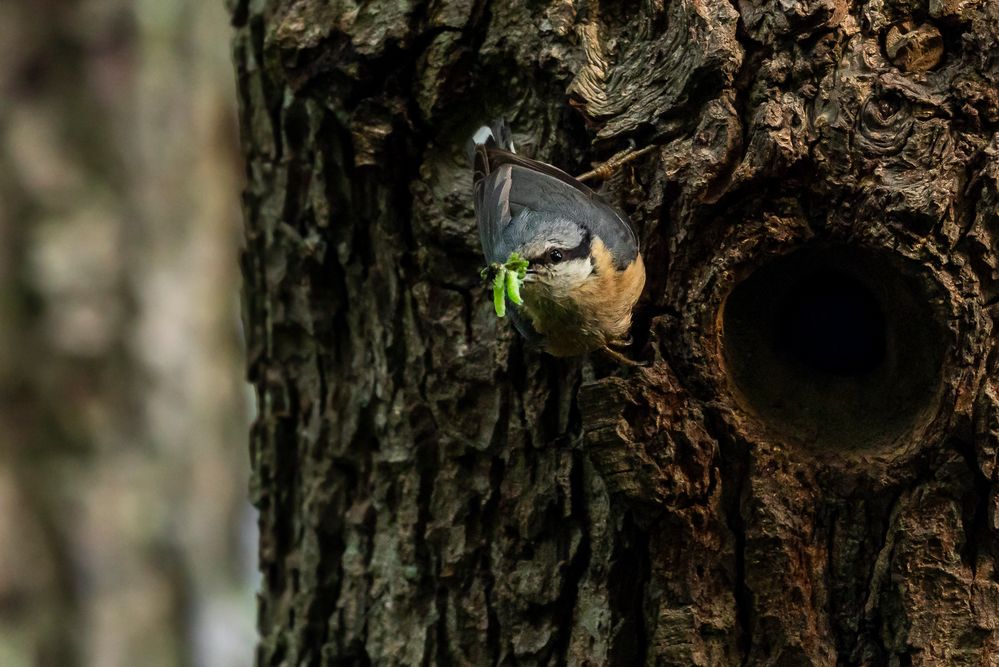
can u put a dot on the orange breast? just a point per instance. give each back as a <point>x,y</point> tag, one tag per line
<point>597,313</point>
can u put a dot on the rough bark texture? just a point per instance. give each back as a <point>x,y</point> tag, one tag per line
<point>765,491</point>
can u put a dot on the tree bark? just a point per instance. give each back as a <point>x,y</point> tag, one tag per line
<point>805,471</point>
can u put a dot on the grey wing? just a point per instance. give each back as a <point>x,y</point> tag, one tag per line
<point>506,226</point>
<point>547,194</point>
<point>509,197</point>
<point>492,210</point>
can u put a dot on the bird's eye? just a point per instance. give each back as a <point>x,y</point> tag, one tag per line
<point>555,255</point>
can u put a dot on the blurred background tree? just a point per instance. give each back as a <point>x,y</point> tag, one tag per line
<point>125,536</point>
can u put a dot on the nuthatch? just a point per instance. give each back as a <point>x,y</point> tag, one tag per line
<point>585,270</point>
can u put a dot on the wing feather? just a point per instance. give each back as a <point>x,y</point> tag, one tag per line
<point>541,187</point>
<point>508,184</point>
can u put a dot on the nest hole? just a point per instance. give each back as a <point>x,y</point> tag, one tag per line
<point>836,348</point>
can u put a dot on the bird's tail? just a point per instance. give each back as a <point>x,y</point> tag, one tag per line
<point>494,135</point>
<point>497,134</point>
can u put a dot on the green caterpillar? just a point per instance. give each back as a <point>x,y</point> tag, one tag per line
<point>507,278</point>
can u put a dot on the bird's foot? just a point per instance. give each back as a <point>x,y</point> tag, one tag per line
<point>621,342</point>
<point>621,358</point>
<point>603,171</point>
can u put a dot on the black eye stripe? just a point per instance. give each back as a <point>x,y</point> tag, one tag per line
<point>581,251</point>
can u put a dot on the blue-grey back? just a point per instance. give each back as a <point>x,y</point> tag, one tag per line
<point>517,205</point>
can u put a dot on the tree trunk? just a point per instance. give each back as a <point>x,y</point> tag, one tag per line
<point>122,496</point>
<point>805,471</point>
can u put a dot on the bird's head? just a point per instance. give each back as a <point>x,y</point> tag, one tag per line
<point>559,256</point>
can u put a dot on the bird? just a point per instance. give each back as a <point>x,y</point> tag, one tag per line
<point>585,269</point>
